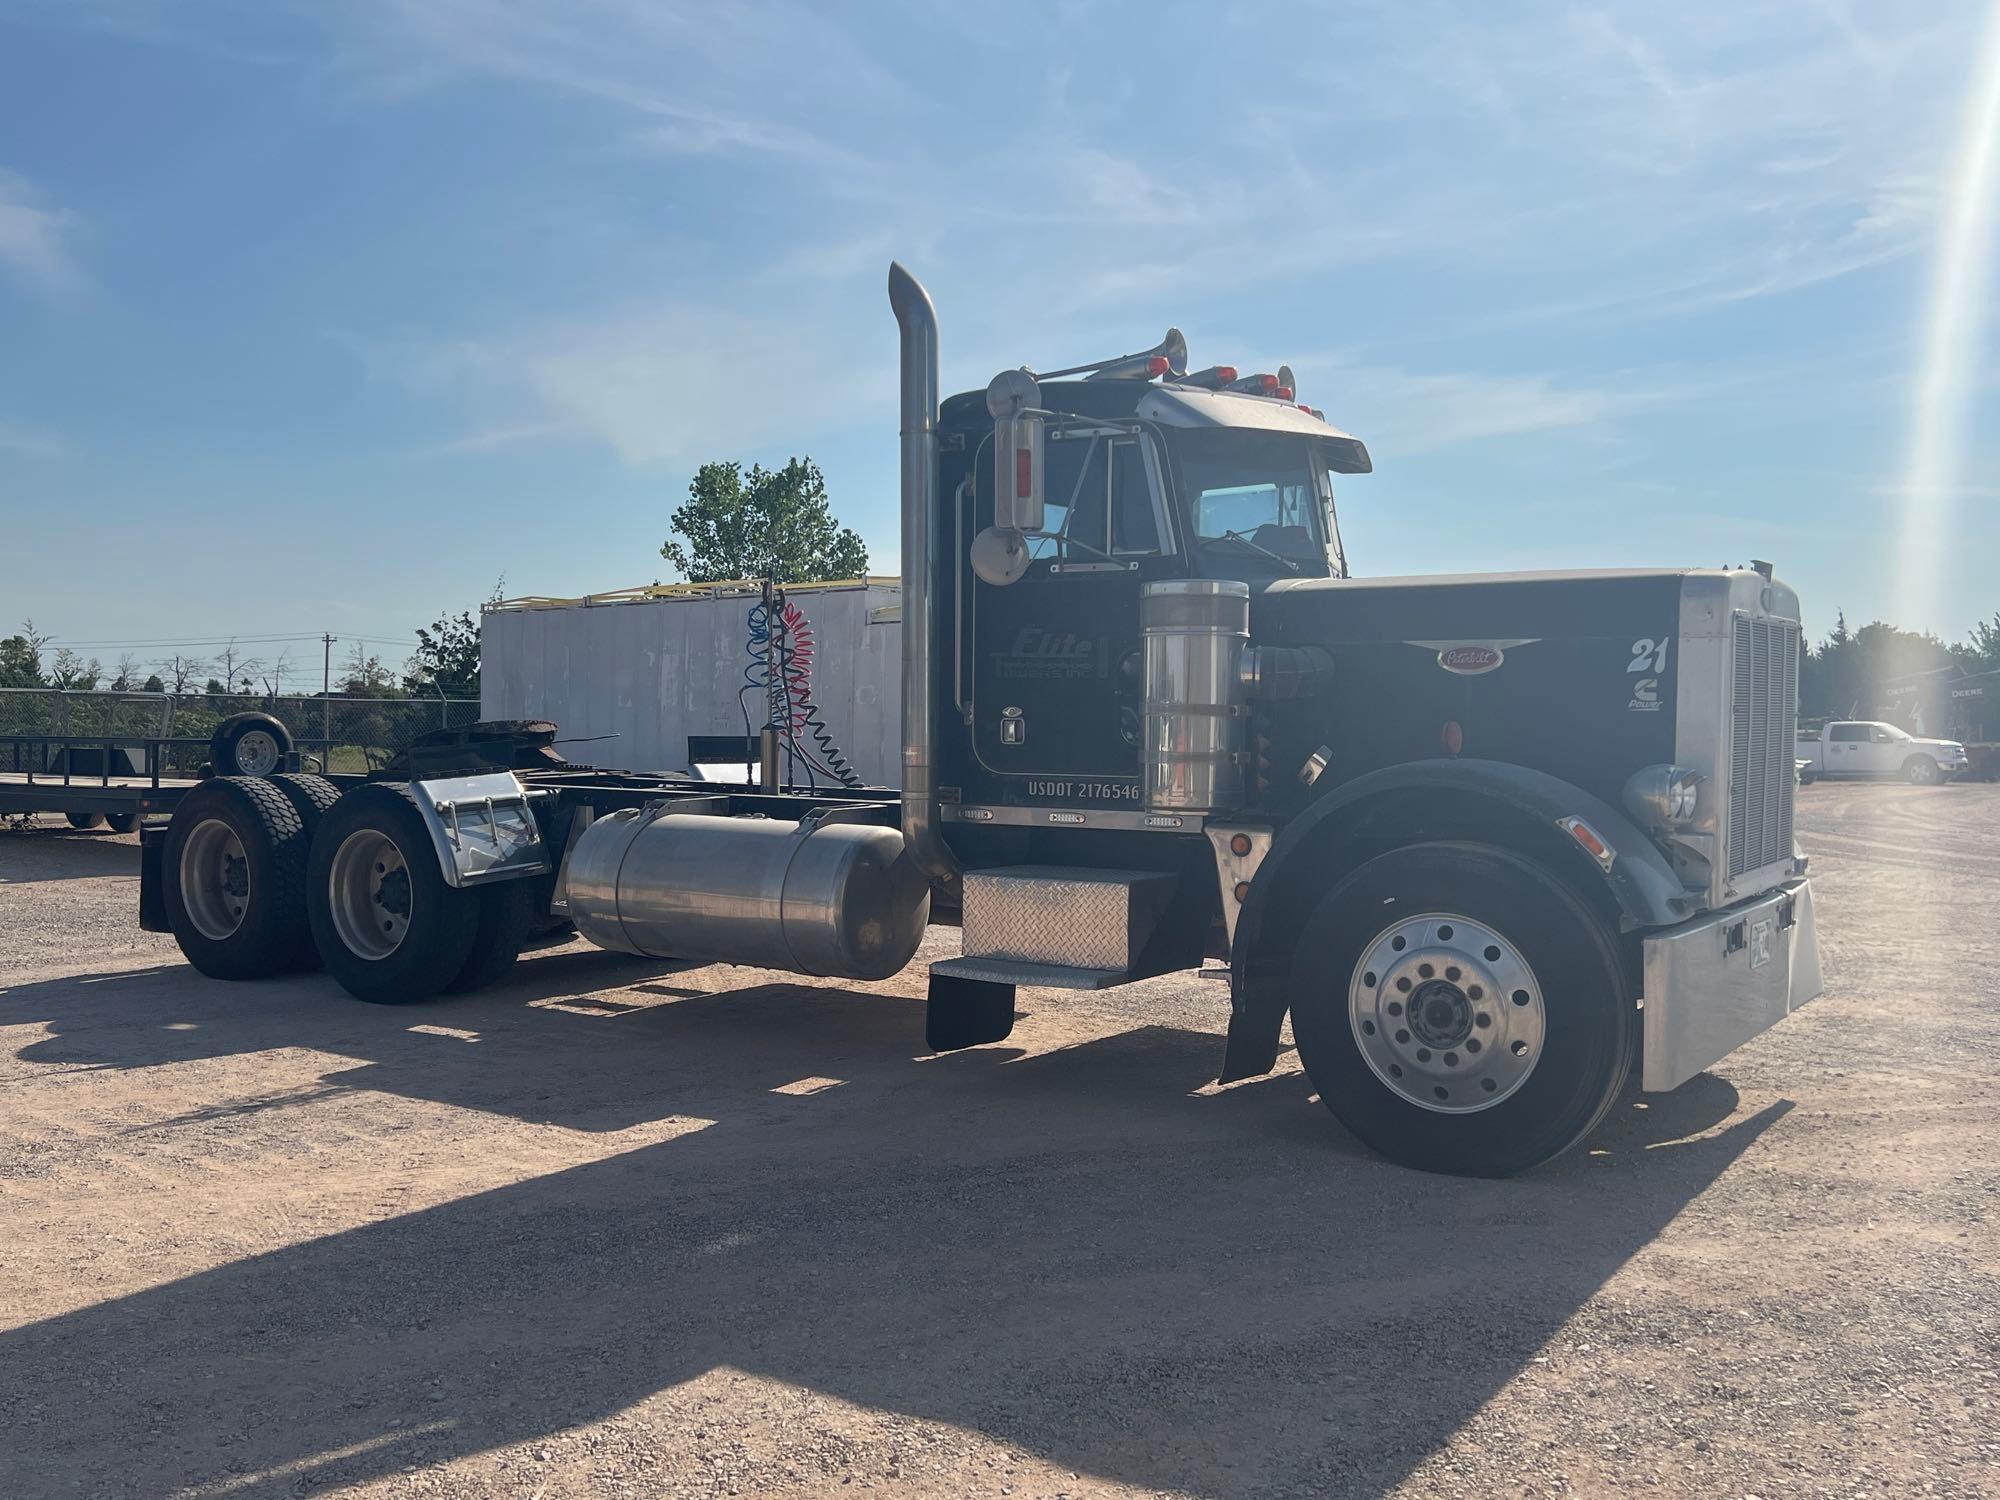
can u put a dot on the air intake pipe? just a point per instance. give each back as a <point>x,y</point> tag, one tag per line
<point>917,320</point>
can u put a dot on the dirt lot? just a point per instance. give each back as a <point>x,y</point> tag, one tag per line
<point>617,1228</point>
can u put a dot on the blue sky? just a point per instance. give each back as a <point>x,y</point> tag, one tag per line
<point>323,317</point>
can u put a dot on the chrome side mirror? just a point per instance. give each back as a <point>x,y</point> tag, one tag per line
<point>1019,450</point>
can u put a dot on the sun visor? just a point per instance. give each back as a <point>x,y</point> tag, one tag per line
<point>1179,406</point>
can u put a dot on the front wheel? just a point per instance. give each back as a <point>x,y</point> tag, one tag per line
<point>1461,1010</point>
<point>1922,771</point>
<point>84,822</point>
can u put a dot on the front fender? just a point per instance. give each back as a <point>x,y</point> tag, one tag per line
<point>1423,801</point>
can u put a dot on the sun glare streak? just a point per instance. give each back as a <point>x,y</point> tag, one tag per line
<point>1953,333</point>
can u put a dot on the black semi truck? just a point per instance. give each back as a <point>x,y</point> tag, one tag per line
<point>1492,843</point>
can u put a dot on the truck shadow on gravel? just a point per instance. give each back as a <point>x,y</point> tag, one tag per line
<point>55,851</point>
<point>1074,1252</point>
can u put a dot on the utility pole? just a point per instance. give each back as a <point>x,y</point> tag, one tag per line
<point>326,694</point>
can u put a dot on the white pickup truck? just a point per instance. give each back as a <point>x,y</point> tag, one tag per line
<point>1849,748</point>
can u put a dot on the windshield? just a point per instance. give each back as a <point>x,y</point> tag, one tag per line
<point>1260,501</point>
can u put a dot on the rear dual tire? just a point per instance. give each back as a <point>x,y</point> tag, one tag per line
<point>387,925</point>
<point>235,863</point>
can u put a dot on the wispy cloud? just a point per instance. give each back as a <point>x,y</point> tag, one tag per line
<point>1406,411</point>
<point>29,441</point>
<point>33,237</point>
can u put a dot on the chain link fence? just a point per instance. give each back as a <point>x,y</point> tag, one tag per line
<point>333,734</point>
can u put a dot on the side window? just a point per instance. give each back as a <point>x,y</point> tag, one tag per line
<point>1847,733</point>
<point>1135,521</point>
<point>1100,497</point>
<point>1882,736</point>
<point>1073,479</point>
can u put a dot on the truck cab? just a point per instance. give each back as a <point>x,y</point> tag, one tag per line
<point>1490,842</point>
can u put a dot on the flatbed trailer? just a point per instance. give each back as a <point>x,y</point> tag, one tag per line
<point>121,779</point>
<point>1494,844</point>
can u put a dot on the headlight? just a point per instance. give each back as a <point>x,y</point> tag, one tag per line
<point>1663,796</point>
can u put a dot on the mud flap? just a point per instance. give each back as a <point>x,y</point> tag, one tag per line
<point>152,878</point>
<point>967,1012</point>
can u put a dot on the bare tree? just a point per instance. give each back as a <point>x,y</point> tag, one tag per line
<point>128,678</point>
<point>178,671</point>
<point>238,669</point>
<point>274,680</point>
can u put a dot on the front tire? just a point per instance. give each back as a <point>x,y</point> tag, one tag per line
<point>1922,771</point>
<point>84,822</point>
<point>1461,1010</point>
<point>123,822</point>
<point>386,924</point>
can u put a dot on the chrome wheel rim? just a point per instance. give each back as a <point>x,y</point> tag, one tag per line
<point>257,753</point>
<point>369,894</point>
<point>215,879</point>
<point>1447,1013</point>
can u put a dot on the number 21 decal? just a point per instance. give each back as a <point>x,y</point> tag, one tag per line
<point>1649,655</point>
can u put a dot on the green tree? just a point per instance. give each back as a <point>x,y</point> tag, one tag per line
<point>73,674</point>
<point>774,522</point>
<point>1985,645</point>
<point>366,677</point>
<point>446,663</point>
<point>21,660</point>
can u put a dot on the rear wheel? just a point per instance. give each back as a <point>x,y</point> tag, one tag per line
<point>386,924</point>
<point>506,913</point>
<point>85,820</point>
<point>1922,771</point>
<point>1461,1010</point>
<point>235,861</point>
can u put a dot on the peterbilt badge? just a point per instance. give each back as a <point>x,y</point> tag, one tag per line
<point>1471,658</point>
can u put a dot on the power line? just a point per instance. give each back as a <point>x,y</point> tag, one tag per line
<point>210,642</point>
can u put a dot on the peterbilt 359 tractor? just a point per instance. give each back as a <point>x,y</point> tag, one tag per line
<point>1493,843</point>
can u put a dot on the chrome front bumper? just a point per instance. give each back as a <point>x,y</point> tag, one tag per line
<point>1714,983</point>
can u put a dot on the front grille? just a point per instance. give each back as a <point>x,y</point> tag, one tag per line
<point>1763,725</point>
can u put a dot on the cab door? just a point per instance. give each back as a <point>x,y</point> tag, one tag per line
<point>1054,657</point>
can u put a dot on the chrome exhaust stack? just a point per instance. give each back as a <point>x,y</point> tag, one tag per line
<point>917,320</point>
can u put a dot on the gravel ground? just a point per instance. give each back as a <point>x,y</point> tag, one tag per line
<point>621,1228</point>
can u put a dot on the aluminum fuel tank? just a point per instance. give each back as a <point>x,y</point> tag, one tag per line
<point>832,899</point>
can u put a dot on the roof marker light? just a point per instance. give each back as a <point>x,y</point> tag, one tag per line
<point>1282,392</point>
<point>1159,364</point>
<point>1214,378</point>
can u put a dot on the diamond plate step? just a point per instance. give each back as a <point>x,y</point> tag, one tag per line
<point>1062,916</point>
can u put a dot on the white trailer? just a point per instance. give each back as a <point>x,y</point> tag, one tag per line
<point>648,668</point>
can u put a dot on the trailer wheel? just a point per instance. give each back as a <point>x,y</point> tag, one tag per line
<point>123,822</point>
<point>506,913</point>
<point>85,820</point>
<point>235,862</point>
<point>1922,771</point>
<point>1461,1010</point>
<point>386,924</point>
<point>251,744</point>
